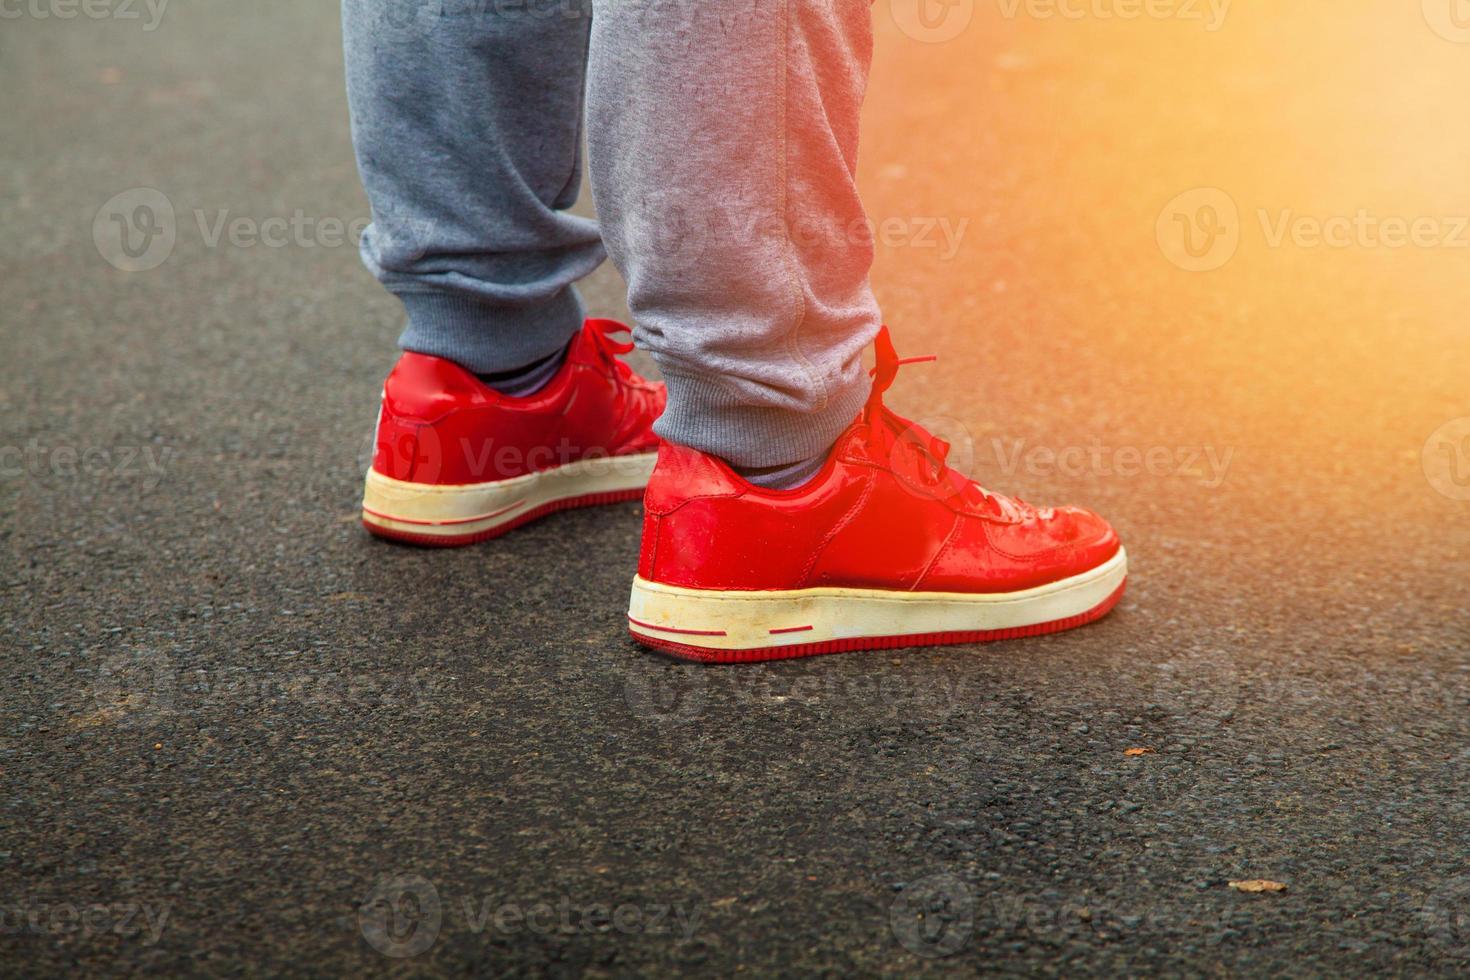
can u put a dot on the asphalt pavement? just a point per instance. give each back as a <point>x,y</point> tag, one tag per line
<point>1202,268</point>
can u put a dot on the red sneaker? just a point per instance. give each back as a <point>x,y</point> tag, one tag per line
<point>458,462</point>
<point>885,547</point>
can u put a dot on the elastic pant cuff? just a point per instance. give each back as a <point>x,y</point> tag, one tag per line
<point>485,338</point>
<point>703,415</point>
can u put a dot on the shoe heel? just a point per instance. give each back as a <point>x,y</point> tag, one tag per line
<point>457,514</point>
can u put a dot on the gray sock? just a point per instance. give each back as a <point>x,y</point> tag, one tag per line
<point>782,477</point>
<point>527,380</point>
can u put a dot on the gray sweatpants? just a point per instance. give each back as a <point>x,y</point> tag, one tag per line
<point>723,140</point>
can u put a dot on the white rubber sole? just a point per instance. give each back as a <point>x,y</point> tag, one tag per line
<point>425,513</point>
<point>723,626</point>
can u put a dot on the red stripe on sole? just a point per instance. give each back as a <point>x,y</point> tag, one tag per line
<point>670,629</point>
<point>711,656</point>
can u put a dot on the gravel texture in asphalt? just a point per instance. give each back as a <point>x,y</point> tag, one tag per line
<point>1201,272</point>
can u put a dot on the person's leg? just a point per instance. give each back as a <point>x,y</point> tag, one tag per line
<point>723,140</point>
<point>466,119</point>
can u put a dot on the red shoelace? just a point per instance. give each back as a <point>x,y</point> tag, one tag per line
<point>929,451</point>
<point>608,348</point>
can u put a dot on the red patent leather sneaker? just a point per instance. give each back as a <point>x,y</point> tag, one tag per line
<point>885,547</point>
<point>458,462</point>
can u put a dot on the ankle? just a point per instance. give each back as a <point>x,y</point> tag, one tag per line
<point>524,381</point>
<point>787,476</point>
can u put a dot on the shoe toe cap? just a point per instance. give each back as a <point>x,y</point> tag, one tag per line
<point>1091,538</point>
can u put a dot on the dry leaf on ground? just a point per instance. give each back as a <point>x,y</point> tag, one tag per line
<point>1258,885</point>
